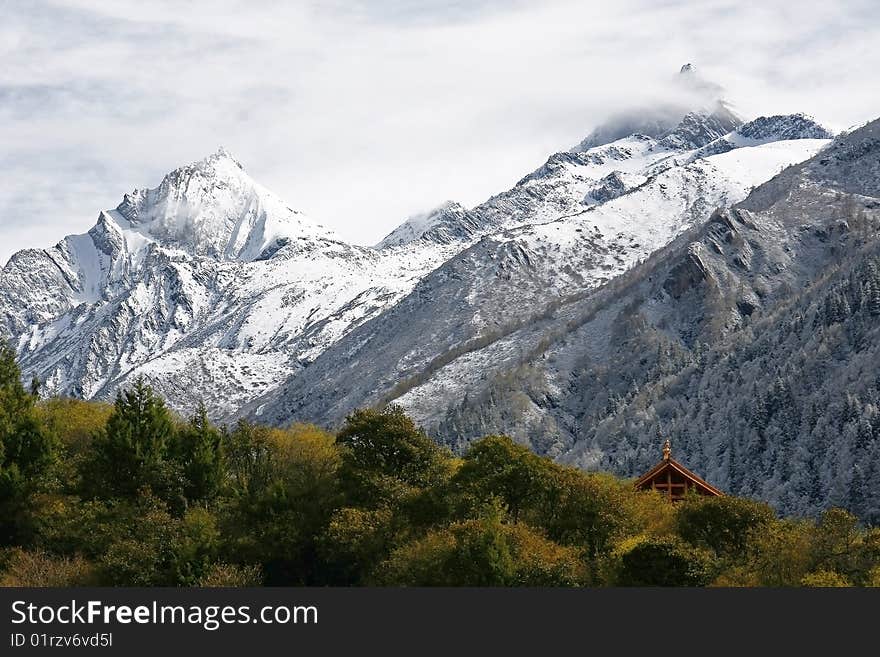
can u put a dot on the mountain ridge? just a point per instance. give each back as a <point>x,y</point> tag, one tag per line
<point>210,281</point>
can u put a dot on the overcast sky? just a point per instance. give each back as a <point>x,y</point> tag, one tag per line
<point>362,113</point>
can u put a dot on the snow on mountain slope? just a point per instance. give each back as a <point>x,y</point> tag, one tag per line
<point>216,290</point>
<point>632,227</point>
<point>750,340</point>
<point>449,223</point>
<point>560,186</point>
<point>214,208</point>
<point>209,285</point>
<point>763,130</point>
<point>481,294</point>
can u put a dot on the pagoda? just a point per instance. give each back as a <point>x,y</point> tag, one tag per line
<point>672,479</point>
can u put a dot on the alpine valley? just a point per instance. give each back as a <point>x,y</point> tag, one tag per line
<point>682,273</point>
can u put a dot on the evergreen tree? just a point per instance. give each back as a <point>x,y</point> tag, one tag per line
<point>26,449</point>
<point>197,450</point>
<point>132,451</point>
<point>872,300</point>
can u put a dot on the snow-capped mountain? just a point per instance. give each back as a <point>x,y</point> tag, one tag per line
<point>560,237</point>
<point>696,113</point>
<point>216,290</point>
<point>213,208</point>
<point>752,341</point>
<point>449,223</point>
<point>209,285</point>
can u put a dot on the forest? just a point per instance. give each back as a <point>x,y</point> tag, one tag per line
<point>129,494</point>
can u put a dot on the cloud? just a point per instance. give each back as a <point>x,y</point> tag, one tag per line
<point>364,112</point>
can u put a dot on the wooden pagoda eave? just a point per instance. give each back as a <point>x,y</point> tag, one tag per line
<point>673,465</point>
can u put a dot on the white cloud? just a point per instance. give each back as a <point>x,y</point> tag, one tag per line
<point>362,113</point>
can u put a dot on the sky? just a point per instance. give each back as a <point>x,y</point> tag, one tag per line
<point>362,113</point>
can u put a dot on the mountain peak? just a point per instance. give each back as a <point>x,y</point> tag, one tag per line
<point>697,129</point>
<point>221,155</point>
<point>701,91</point>
<point>784,126</point>
<point>448,222</point>
<point>213,208</point>
<point>689,97</point>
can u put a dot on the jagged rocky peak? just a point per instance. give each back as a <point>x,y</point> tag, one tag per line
<point>447,223</point>
<point>693,114</point>
<point>691,80</point>
<point>214,208</point>
<point>698,128</point>
<point>784,126</point>
<point>107,236</point>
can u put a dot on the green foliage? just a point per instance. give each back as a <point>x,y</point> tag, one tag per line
<point>126,495</point>
<point>496,466</point>
<point>249,458</point>
<point>663,562</point>
<point>36,568</point>
<point>160,549</point>
<point>26,450</point>
<point>385,456</point>
<point>825,579</point>
<point>285,490</point>
<point>73,422</point>
<point>721,524</point>
<point>354,542</point>
<point>483,552</point>
<point>221,575</point>
<point>132,452</point>
<point>596,511</point>
<point>781,553</point>
<point>197,450</point>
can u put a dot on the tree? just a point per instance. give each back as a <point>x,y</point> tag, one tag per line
<point>249,458</point>
<point>24,446</point>
<point>385,457</point>
<point>132,452</point>
<point>825,579</point>
<point>353,543</point>
<point>285,493</point>
<point>37,568</point>
<point>593,511</point>
<point>483,552</point>
<point>157,548</point>
<point>73,423</point>
<point>836,544</point>
<point>662,562</point>
<point>721,524</point>
<point>780,553</point>
<point>26,449</point>
<point>497,466</point>
<point>197,449</point>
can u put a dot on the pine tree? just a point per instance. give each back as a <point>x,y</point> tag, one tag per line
<point>25,448</point>
<point>197,450</point>
<point>131,453</point>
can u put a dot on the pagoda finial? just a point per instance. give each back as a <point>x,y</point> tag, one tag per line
<point>667,450</point>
